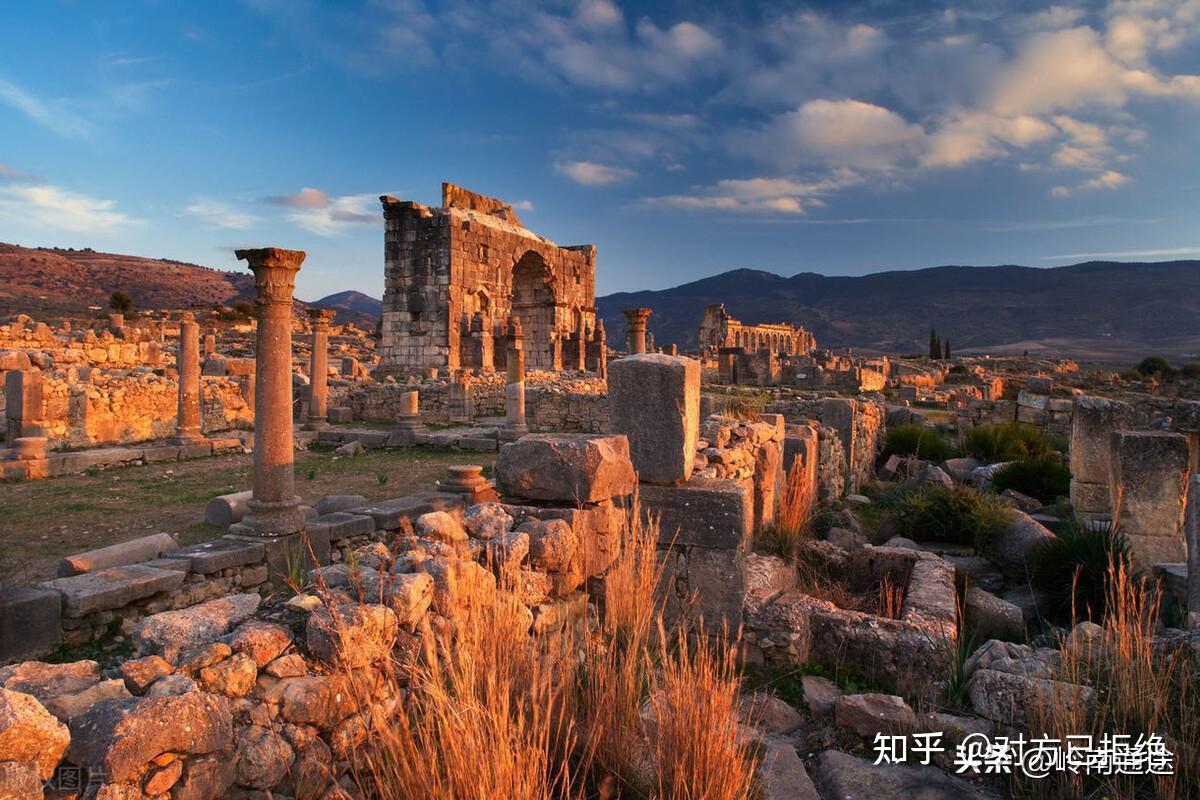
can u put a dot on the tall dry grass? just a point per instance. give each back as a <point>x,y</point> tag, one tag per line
<point>1140,689</point>
<point>794,519</point>
<point>497,713</point>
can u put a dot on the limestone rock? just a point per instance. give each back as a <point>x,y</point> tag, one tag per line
<point>206,778</point>
<point>28,732</point>
<point>846,777</point>
<point>140,673</point>
<point>264,757</point>
<point>820,695</point>
<point>654,399</point>
<point>121,737</point>
<point>354,635</point>
<point>172,631</point>
<point>869,714</point>
<point>553,544</point>
<point>233,677</point>
<point>19,780</point>
<point>1011,546</point>
<point>487,520</point>
<point>410,596</point>
<point>44,680</point>
<point>783,776</point>
<point>459,585</point>
<point>769,713</point>
<point>171,686</point>
<point>442,527</point>
<point>566,468</point>
<point>992,617</point>
<point>1009,698</point>
<point>262,641</point>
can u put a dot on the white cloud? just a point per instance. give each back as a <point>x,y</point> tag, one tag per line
<point>775,196</point>
<point>847,133</point>
<point>523,205</point>
<point>221,215</point>
<point>590,173</point>
<point>307,197</point>
<point>1109,179</point>
<point>10,175</point>
<point>54,207</point>
<point>50,115</point>
<point>338,214</point>
<point>1148,253</point>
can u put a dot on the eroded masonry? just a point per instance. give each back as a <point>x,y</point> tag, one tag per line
<point>458,279</point>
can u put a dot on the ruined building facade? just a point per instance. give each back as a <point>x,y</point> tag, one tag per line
<point>459,276</point>
<point>719,330</point>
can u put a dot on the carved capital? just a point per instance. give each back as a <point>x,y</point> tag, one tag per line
<point>274,273</point>
<point>320,317</point>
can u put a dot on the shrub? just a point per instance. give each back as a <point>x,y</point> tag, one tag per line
<point>1072,569</point>
<point>120,302</point>
<point>916,440</point>
<point>1191,370</point>
<point>1156,366</point>
<point>1009,441</point>
<point>956,514</point>
<point>1045,478</point>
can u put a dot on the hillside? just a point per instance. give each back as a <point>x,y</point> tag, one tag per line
<point>1096,310</point>
<point>54,281</point>
<point>352,306</point>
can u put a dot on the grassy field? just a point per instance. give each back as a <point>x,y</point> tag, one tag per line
<point>42,521</point>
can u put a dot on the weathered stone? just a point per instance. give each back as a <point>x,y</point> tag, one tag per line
<point>459,585</point>
<point>869,714</point>
<point>218,554</point>
<point>1093,421</point>
<point>654,399</point>
<point>960,469</point>
<point>264,757</point>
<point>171,686</point>
<point>1148,485</point>
<point>311,770</point>
<point>992,617</point>
<point>140,673</point>
<point>553,544</point>
<point>290,666</point>
<point>112,588</point>
<point>134,551</point>
<point>172,631</point>
<point>333,503</point>
<point>769,714</point>
<point>45,681</point>
<point>574,468</point>
<point>206,778</point>
<point>820,695</point>
<point>783,776</point>
<point>226,509</point>
<point>68,706</point>
<point>340,525</point>
<point>410,596</point>
<point>704,512</point>
<point>847,777</point>
<point>262,641</point>
<point>1010,547</point>
<point>28,732</point>
<point>121,737</point>
<point>194,659</point>
<point>19,780</point>
<point>487,520</point>
<point>846,539</point>
<point>30,621</point>
<point>1008,698</point>
<point>440,526</point>
<point>353,635</point>
<point>160,781</point>
<point>233,677</point>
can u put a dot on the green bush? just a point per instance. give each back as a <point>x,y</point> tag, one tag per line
<point>916,440</point>
<point>955,514</point>
<point>1045,478</point>
<point>1072,569</point>
<point>1156,365</point>
<point>1010,441</point>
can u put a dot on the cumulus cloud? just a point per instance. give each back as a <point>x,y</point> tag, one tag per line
<point>221,215</point>
<point>847,133</point>
<point>762,195</point>
<point>325,215</point>
<point>53,207</point>
<point>306,198</point>
<point>1109,179</point>
<point>590,173</point>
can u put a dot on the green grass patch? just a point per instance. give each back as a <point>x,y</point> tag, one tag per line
<point>952,514</point>
<point>916,440</point>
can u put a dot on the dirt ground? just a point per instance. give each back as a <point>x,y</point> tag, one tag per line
<point>42,521</point>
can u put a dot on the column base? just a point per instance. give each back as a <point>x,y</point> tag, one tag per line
<point>183,437</point>
<point>316,424</point>
<point>513,431</point>
<point>270,519</point>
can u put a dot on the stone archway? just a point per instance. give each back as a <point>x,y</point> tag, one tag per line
<point>533,302</point>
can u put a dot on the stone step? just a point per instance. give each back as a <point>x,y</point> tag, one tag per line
<point>112,588</point>
<point>219,554</point>
<point>134,551</point>
<point>341,525</point>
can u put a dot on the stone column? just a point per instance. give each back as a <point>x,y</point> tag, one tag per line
<point>274,508</point>
<point>187,362</point>
<point>1193,551</point>
<point>318,378</point>
<point>409,424</point>
<point>514,392</point>
<point>636,337</point>
<point>210,344</point>
<point>23,404</point>
<point>598,360</point>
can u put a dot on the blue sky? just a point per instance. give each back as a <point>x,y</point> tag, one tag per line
<point>683,139</point>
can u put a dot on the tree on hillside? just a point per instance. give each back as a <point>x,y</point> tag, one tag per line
<point>946,349</point>
<point>120,302</point>
<point>1156,366</point>
<point>935,345</point>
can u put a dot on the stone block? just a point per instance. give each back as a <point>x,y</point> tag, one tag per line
<point>1148,484</point>
<point>171,632</point>
<point>219,554</point>
<point>387,514</point>
<point>112,588</point>
<point>341,415</point>
<point>654,400</point>
<point>340,525</point>
<point>481,444</point>
<point>704,512</point>
<point>226,509</point>
<point>718,580</point>
<point>992,617</point>
<point>1093,421</point>
<point>29,621</point>
<point>1090,498</point>
<point>134,551</point>
<point>1010,547</point>
<point>339,502</point>
<point>572,468</point>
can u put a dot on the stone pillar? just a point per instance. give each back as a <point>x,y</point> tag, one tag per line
<point>1192,527</point>
<point>318,378</point>
<point>598,351</point>
<point>635,339</point>
<point>409,424</point>
<point>27,459</point>
<point>468,480</point>
<point>274,508</point>
<point>210,344</point>
<point>23,404</point>
<point>116,323</point>
<point>460,404</point>
<point>187,363</point>
<point>655,401</point>
<point>1148,485</point>
<point>1093,421</point>
<point>514,392</point>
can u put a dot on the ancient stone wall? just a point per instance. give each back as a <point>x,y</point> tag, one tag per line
<point>720,330</point>
<point>455,275</point>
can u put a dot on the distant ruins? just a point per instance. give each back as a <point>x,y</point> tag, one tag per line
<point>458,276</point>
<point>719,330</point>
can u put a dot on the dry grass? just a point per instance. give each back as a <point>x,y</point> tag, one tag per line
<point>794,519</point>
<point>497,713</point>
<point>745,407</point>
<point>1140,690</point>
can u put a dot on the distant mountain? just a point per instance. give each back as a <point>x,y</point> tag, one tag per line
<point>41,280</point>
<point>1099,310</point>
<point>352,305</point>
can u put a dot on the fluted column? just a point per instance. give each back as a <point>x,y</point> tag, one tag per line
<point>636,337</point>
<point>187,363</point>
<point>318,377</point>
<point>514,391</point>
<point>274,508</point>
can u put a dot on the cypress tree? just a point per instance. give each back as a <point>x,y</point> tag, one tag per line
<point>935,346</point>
<point>946,349</point>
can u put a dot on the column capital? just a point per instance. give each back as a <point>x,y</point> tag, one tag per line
<point>320,317</point>
<point>637,315</point>
<point>274,272</point>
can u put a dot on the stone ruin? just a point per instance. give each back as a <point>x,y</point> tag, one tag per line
<point>458,277</point>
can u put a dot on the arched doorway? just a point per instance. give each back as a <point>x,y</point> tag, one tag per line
<point>533,302</point>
